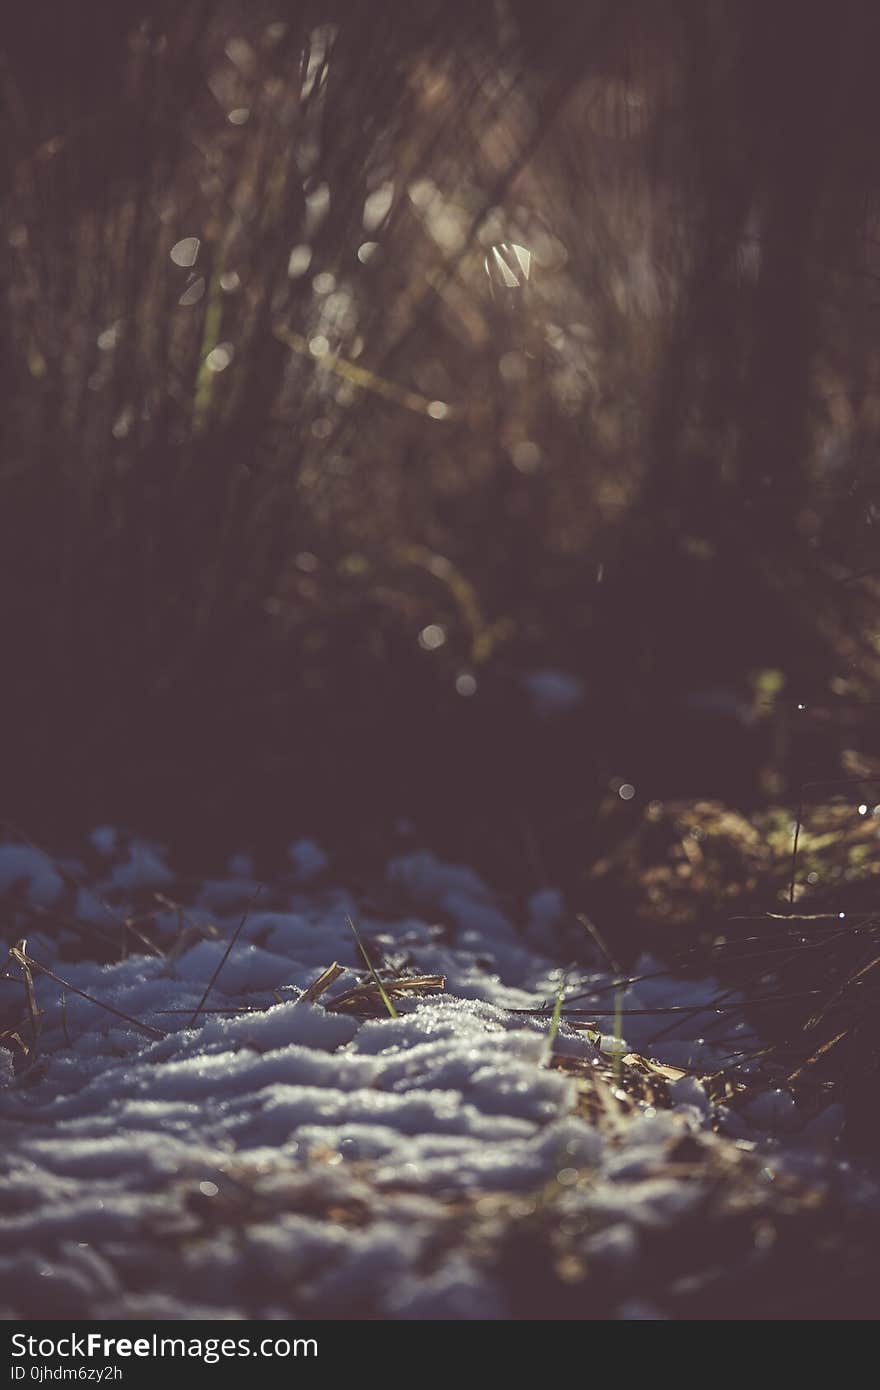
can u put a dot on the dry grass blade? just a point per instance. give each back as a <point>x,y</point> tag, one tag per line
<point>327,978</point>
<point>794,849</point>
<point>366,998</point>
<point>710,1006</point>
<point>599,940</point>
<point>19,954</point>
<point>620,983</point>
<point>351,371</point>
<point>818,1055</point>
<point>652,1068</point>
<point>190,935</point>
<point>225,957</point>
<point>189,930</point>
<point>12,1041</point>
<point>840,993</point>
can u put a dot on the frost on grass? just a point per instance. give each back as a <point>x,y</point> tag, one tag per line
<point>275,1156</point>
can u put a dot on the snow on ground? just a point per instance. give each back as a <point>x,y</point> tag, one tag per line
<point>292,1159</point>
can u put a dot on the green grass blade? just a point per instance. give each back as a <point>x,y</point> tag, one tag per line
<point>557,1013</point>
<point>372,969</point>
<point>618,1029</point>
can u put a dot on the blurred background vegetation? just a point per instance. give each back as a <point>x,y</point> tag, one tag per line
<point>325,509</point>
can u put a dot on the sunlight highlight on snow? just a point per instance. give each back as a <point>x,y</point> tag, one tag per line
<point>286,1109</point>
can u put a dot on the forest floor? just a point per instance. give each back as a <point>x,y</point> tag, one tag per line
<point>211,1109</point>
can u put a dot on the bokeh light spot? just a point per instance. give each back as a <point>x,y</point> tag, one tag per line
<point>185,252</point>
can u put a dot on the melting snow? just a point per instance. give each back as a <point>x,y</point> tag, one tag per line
<point>291,1153</point>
